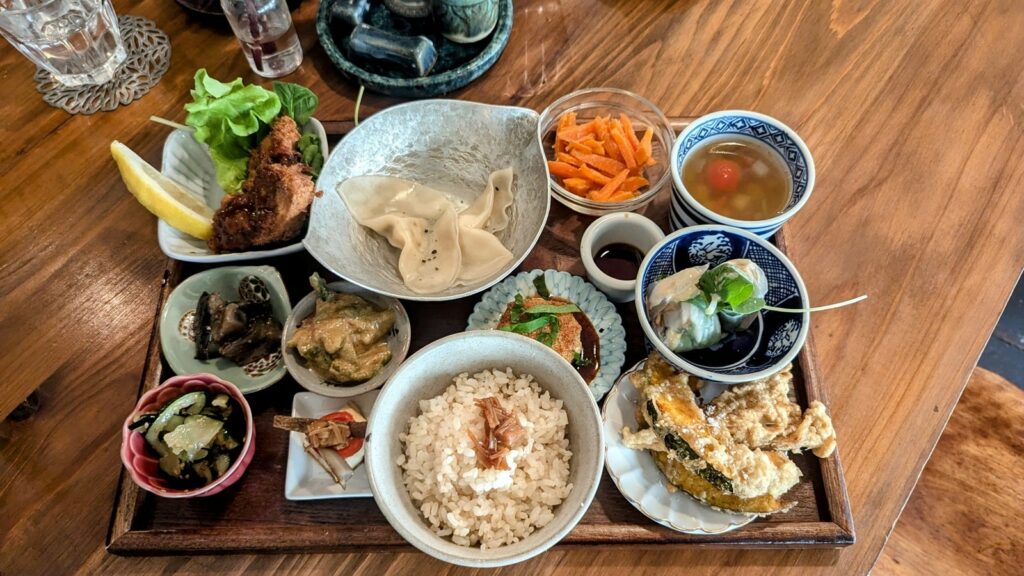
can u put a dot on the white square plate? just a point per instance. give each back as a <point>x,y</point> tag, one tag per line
<point>304,478</point>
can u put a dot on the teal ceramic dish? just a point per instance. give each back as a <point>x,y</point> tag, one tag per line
<point>594,304</point>
<point>457,64</point>
<point>178,342</point>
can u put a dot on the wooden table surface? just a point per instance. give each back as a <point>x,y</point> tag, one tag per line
<point>912,112</point>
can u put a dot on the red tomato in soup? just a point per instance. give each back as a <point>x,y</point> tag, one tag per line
<point>722,175</point>
<point>354,444</point>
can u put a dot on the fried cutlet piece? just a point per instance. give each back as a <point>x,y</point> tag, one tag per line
<point>273,204</point>
<point>569,342</point>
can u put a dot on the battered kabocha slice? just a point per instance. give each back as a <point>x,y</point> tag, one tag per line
<point>700,488</point>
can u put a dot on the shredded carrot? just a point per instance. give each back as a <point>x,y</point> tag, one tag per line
<point>568,158</point>
<point>601,158</point>
<point>611,188</point>
<point>624,148</point>
<point>644,151</point>
<point>577,186</point>
<point>621,196</point>
<point>632,184</point>
<point>579,147</point>
<point>607,165</point>
<point>627,127</point>
<point>593,175</point>
<point>563,170</point>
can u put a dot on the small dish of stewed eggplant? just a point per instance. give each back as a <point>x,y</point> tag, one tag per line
<point>227,321</point>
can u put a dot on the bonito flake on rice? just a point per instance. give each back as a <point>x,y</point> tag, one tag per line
<point>472,504</point>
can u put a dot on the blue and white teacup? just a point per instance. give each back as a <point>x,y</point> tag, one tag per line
<point>687,211</point>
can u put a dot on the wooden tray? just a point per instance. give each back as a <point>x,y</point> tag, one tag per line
<point>254,516</point>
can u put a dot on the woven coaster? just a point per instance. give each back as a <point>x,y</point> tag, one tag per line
<point>149,55</point>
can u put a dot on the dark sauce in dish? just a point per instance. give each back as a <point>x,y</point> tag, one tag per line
<point>618,260</point>
<point>591,340</point>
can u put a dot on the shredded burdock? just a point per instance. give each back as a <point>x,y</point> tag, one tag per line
<point>502,432</point>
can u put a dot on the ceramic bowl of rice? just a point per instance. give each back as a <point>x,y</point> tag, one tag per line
<point>484,449</point>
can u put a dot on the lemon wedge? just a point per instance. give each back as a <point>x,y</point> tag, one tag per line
<point>165,198</point>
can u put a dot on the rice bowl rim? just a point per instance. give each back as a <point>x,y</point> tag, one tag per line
<point>587,462</point>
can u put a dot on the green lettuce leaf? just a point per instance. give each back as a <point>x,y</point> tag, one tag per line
<point>228,118</point>
<point>297,101</point>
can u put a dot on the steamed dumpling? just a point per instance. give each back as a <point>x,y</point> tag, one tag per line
<point>490,209</point>
<point>439,246</point>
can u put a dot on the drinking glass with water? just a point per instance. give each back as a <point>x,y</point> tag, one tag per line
<point>78,41</point>
<point>264,29</point>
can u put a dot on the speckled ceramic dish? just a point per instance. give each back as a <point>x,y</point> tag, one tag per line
<point>426,374</point>
<point>188,163</point>
<point>178,342</point>
<point>457,64</point>
<point>398,342</point>
<point>449,145</point>
<point>641,482</point>
<point>594,304</point>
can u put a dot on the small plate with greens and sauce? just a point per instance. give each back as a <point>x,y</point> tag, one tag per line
<point>566,314</point>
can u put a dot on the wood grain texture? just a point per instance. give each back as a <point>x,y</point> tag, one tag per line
<point>964,515</point>
<point>253,515</point>
<point>912,112</point>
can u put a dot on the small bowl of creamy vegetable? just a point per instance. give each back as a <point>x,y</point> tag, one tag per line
<point>191,436</point>
<point>342,340</point>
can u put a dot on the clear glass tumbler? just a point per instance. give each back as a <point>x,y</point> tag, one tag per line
<point>76,40</point>
<point>265,31</point>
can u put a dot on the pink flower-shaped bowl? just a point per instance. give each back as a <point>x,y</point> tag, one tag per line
<point>141,461</point>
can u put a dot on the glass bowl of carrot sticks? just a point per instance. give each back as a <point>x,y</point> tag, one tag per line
<point>607,150</point>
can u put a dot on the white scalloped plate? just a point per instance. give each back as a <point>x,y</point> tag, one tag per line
<point>594,304</point>
<point>188,163</point>
<point>640,480</point>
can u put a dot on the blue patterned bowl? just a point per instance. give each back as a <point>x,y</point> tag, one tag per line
<point>686,211</point>
<point>770,343</point>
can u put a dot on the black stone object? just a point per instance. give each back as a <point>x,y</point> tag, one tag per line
<point>411,54</point>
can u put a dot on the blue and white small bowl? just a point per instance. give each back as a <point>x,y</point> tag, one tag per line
<point>772,341</point>
<point>687,211</point>
<point>594,304</point>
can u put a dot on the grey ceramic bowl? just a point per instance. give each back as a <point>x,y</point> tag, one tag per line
<point>178,343</point>
<point>425,375</point>
<point>450,145</point>
<point>398,342</point>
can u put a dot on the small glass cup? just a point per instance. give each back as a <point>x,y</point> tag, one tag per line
<point>265,31</point>
<point>78,41</point>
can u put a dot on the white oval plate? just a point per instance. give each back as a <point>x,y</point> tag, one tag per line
<point>594,304</point>
<point>188,163</point>
<point>640,480</point>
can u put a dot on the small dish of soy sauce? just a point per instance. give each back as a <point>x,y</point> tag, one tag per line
<point>613,247</point>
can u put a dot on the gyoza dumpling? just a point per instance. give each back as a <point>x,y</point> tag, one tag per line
<point>490,209</point>
<point>483,254</point>
<point>417,220</point>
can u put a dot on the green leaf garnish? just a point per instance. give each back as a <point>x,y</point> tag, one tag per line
<point>227,118</point>
<point>553,309</point>
<point>297,101</point>
<point>542,286</point>
<point>312,153</point>
<point>528,326</point>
